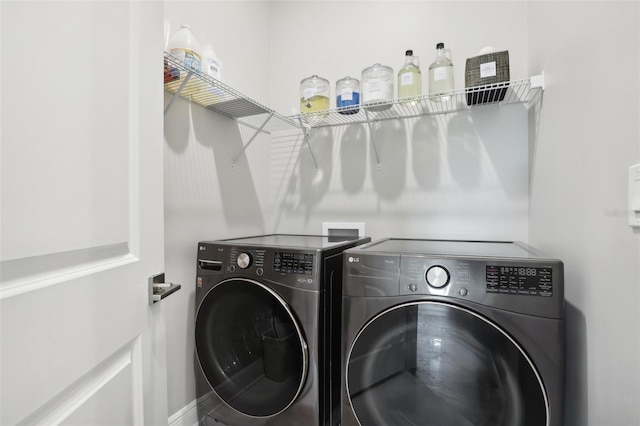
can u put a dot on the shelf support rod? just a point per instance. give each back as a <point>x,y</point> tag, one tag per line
<point>233,162</point>
<point>373,142</point>
<point>178,92</point>
<point>305,132</point>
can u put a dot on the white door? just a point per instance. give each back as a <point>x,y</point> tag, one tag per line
<point>81,213</point>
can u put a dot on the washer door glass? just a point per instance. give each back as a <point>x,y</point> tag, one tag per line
<point>250,347</point>
<point>434,364</point>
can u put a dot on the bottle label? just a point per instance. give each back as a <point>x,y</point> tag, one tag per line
<point>353,99</point>
<point>488,69</point>
<point>309,92</point>
<point>406,79</point>
<point>190,58</point>
<point>374,85</point>
<point>213,68</point>
<point>440,74</point>
<point>346,94</point>
<point>377,89</point>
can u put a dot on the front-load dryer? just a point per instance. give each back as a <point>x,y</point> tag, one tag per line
<point>267,330</point>
<point>452,333</point>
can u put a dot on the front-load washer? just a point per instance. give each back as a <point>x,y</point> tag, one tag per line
<point>267,330</point>
<point>452,333</point>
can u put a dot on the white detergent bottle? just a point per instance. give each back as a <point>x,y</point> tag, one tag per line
<point>184,46</point>
<point>211,65</point>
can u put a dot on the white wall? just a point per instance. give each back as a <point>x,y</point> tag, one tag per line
<point>588,136</point>
<point>441,176</point>
<point>205,199</point>
<point>578,146</point>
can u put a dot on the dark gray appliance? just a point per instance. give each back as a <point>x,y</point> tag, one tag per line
<point>452,333</point>
<point>267,330</point>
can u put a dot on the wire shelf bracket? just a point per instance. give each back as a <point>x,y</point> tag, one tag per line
<point>244,148</point>
<point>373,142</point>
<point>178,92</point>
<point>306,130</point>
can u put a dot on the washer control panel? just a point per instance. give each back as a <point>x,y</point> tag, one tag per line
<point>293,262</point>
<point>296,268</point>
<point>281,262</point>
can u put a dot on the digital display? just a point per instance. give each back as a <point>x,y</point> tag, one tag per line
<point>293,263</point>
<point>523,280</point>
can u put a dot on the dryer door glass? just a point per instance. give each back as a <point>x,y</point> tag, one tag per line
<point>433,364</point>
<point>250,347</point>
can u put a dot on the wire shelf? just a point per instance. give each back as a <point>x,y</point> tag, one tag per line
<point>225,100</point>
<point>519,91</point>
<point>221,98</point>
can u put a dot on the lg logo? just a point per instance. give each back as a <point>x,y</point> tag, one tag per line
<point>354,259</point>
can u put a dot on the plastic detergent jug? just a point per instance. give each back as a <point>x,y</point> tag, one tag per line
<point>185,47</point>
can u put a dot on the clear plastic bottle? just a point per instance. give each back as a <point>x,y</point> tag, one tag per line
<point>211,65</point>
<point>184,46</point>
<point>441,72</point>
<point>410,77</point>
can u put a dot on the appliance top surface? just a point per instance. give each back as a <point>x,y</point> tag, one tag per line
<point>291,241</point>
<point>502,249</point>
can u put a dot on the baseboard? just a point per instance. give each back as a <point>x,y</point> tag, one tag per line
<point>186,416</point>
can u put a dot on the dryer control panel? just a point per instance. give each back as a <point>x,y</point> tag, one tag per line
<point>526,283</point>
<point>441,276</point>
<point>519,279</point>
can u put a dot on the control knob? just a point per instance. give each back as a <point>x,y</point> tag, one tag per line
<point>437,276</point>
<point>244,260</point>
